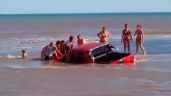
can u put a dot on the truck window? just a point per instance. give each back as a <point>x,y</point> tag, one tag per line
<point>98,51</point>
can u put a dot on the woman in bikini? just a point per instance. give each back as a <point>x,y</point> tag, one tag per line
<point>139,39</point>
<point>126,38</point>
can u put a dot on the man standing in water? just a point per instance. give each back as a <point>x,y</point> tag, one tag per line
<point>126,37</point>
<point>103,35</point>
<point>80,40</point>
<point>139,39</point>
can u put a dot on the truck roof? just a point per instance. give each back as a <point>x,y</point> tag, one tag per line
<point>88,46</point>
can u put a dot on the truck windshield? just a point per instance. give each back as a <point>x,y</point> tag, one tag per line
<point>98,51</point>
<point>103,50</point>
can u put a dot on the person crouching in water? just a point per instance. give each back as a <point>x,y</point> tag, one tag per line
<point>24,53</point>
<point>62,47</point>
<point>59,55</point>
<point>49,52</point>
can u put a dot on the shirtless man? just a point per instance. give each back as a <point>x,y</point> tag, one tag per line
<point>48,52</point>
<point>70,42</point>
<point>126,37</point>
<point>103,35</point>
<point>80,40</point>
<point>139,39</point>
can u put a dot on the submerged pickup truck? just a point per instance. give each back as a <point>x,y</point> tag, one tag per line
<point>99,53</point>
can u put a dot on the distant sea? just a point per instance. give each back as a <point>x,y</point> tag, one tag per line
<point>149,76</point>
<point>33,31</point>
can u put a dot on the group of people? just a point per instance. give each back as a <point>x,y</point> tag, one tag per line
<point>126,38</point>
<point>59,50</point>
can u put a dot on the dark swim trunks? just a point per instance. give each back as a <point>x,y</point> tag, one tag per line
<point>47,58</point>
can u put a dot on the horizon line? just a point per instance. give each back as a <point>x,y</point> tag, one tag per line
<point>79,13</point>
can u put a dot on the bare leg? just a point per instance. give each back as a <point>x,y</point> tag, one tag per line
<point>142,48</point>
<point>128,46</point>
<point>137,47</point>
<point>124,47</point>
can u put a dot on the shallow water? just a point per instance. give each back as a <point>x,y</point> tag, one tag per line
<point>149,76</point>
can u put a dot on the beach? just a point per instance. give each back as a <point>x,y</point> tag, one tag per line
<point>149,76</point>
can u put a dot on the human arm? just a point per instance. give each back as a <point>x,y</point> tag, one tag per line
<point>142,36</point>
<point>99,34</point>
<point>135,32</point>
<point>108,34</point>
<point>57,50</point>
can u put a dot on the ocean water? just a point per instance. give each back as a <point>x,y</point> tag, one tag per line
<point>35,31</point>
<point>149,76</point>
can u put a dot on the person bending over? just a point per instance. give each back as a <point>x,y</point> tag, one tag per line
<point>139,39</point>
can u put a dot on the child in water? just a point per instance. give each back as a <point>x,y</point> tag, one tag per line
<point>24,53</point>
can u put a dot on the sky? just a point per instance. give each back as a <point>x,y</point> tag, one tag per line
<point>83,6</point>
